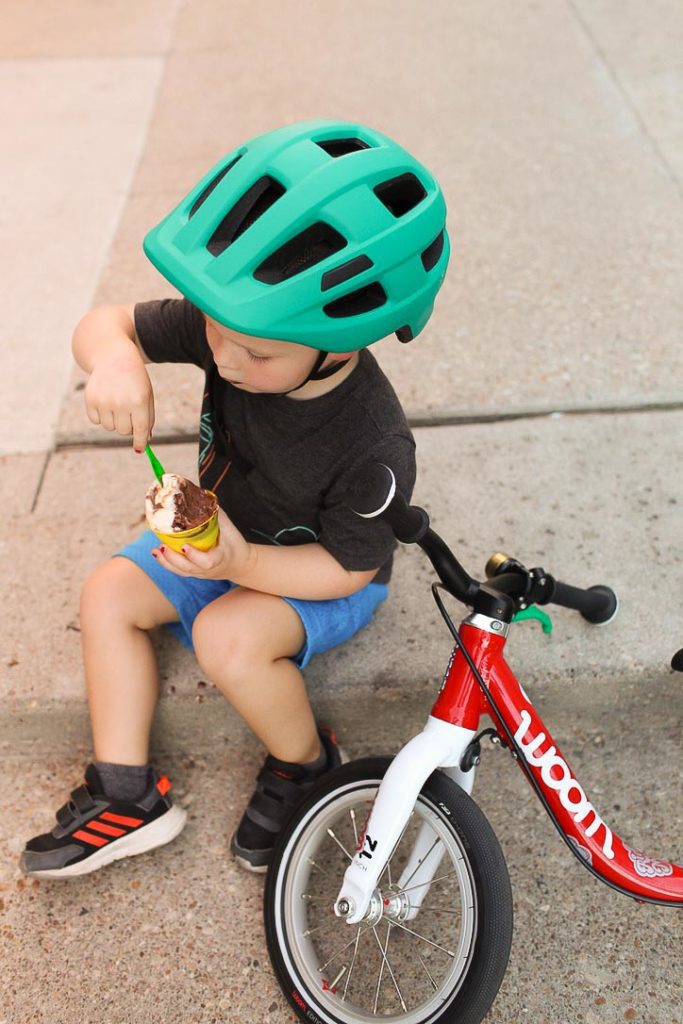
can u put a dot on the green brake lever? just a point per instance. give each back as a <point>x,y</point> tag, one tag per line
<point>535,613</point>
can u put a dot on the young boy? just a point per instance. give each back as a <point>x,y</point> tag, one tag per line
<point>296,252</point>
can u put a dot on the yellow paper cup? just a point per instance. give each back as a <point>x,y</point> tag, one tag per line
<point>202,537</point>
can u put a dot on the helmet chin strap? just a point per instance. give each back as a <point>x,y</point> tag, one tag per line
<point>316,373</point>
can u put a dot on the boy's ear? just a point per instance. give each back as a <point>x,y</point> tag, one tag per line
<point>340,357</point>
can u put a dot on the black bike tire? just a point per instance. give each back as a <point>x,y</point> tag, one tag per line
<point>493,940</point>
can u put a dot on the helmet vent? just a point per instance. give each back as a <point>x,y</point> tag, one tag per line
<point>211,186</point>
<point>372,296</point>
<point>432,254</point>
<point>402,194</point>
<point>299,253</point>
<point>340,147</point>
<point>345,272</point>
<point>253,204</point>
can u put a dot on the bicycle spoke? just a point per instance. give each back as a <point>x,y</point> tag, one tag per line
<point>422,860</point>
<point>423,938</point>
<point>320,868</point>
<point>387,866</point>
<point>426,970</point>
<point>353,961</point>
<point>439,878</point>
<point>391,973</point>
<point>352,815</point>
<point>340,951</point>
<point>381,970</point>
<point>307,898</point>
<point>437,910</point>
<point>335,981</point>
<point>340,845</point>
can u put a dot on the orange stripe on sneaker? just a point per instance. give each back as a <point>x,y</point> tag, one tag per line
<point>120,819</point>
<point>163,785</point>
<point>108,830</point>
<point>87,837</point>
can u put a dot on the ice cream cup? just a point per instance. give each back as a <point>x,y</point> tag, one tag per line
<point>203,536</point>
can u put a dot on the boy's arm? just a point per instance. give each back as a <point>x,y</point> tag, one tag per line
<point>106,332</point>
<point>305,571</point>
<point>118,395</point>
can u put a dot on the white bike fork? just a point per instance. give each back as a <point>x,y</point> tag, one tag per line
<point>439,745</point>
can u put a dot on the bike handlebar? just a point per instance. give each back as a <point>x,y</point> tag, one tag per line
<point>597,604</point>
<point>374,494</point>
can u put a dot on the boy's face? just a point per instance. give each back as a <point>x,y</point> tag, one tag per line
<point>259,365</point>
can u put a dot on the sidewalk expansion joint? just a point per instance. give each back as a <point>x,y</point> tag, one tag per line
<point>455,418</point>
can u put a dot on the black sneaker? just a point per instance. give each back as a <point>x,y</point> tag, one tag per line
<point>92,830</point>
<point>280,787</point>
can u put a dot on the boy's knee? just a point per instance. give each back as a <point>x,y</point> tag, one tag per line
<point>99,590</point>
<point>106,593</point>
<point>223,644</point>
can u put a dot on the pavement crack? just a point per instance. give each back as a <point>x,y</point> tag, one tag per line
<point>39,485</point>
<point>626,97</point>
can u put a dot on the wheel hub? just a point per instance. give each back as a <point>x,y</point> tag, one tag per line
<point>396,904</point>
<point>393,904</point>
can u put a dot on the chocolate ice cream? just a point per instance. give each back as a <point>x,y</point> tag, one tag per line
<point>176,504</point>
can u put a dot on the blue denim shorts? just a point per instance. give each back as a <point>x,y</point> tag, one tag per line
<point>326,623</point>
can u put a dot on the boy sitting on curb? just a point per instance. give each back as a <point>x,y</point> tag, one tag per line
<point>296,252</point>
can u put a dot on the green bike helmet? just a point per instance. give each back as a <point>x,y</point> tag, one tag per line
<point>324,233</point>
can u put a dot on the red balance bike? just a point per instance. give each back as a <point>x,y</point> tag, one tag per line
<point>388,895</point>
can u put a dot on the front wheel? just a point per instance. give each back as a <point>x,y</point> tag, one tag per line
<point>426,952</point>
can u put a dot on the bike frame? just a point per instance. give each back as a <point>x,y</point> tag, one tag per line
<point>479,681</point>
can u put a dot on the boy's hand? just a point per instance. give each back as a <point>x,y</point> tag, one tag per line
<point>119,397</point>
<point>228,560</point>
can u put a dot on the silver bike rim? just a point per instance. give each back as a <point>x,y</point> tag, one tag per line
<point>307,929</point>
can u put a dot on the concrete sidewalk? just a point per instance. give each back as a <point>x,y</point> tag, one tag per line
<point>548,397</point>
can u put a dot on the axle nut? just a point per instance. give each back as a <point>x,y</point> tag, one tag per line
<point>343,907</point>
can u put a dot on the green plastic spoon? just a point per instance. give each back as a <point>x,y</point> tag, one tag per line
<point>156,465</point>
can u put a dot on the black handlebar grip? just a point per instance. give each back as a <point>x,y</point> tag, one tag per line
<point>373,494</point>
<point>597,604</point>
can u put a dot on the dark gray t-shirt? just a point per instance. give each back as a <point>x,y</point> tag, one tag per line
<point>281,467</point>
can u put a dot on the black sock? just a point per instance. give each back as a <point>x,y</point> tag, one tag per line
<point>123,781</point>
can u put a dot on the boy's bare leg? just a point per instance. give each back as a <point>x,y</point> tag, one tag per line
<point>244,642</point>
<point>119,604</point>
